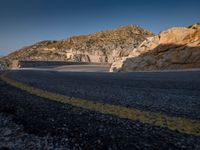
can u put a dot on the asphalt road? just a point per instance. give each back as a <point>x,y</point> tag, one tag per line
<point>169,93</point>
<point>173,93</point>
<point>73,68</point>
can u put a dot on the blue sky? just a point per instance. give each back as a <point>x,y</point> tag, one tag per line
<point>24,22</point>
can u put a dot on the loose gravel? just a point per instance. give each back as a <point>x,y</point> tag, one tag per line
<point>13,137</point>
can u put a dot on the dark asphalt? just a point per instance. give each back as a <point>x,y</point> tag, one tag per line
<point>171,93</point>
<point>84,129</point>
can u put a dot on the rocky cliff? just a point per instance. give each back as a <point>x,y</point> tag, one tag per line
<point>175,48</point>
<point>99,47</point>
<point>3,65</point>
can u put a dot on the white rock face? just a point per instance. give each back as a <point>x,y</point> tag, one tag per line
<point>175,48</point>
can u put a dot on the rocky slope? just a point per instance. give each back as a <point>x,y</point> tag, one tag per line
<point>99,47</point>
<point>3,65</point>
<point>175,48</point>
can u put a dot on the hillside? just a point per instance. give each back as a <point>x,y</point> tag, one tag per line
<point>104,46</point>
<point>175,48</point>
<point>2,65</point>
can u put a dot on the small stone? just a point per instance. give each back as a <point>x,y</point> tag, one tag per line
<point>7,132</point>
<point>98,141</point>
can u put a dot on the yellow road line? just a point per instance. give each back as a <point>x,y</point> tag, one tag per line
<point>183,125</point>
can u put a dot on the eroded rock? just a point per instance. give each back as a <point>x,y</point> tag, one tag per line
<point>175,48</point>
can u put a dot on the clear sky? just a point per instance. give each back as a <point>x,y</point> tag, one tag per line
<point>24,22</point>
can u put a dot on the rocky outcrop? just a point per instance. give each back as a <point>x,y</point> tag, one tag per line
<point>175,48</point>
<point>99,47</point>
<point>3,65</point>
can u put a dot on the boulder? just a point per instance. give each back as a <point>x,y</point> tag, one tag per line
<point>175,48</point>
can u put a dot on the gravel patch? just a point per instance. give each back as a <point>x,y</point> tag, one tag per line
<point>13,137</point>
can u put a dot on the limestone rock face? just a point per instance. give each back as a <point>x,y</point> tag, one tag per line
<point>175,48</point>
<point>103,47</point>
<point>3,65</point>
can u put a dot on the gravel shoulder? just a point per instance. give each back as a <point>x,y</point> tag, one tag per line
<point>14,137</point>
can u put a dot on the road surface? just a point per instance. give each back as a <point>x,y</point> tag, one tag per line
<point>72,68</point>
<point>173,94</point>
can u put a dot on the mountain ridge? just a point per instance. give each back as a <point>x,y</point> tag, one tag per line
<point>103,46</point>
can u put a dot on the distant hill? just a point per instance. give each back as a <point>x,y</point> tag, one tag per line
<point>105,46</point>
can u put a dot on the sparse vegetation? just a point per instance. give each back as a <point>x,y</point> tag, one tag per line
<point>100,45</point>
